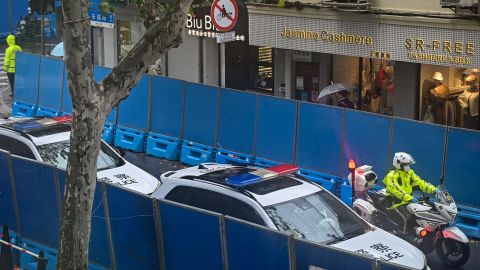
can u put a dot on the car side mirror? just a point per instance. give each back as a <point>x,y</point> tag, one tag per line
<point>120,151</point>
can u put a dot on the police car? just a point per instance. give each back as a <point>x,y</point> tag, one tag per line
<point>279,199</point>
<point>48,140</point>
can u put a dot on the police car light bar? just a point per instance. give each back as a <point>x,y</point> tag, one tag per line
<point>245,179</point>
<point>25,126</point>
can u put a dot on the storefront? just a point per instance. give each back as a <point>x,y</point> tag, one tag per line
<point>389,63</point>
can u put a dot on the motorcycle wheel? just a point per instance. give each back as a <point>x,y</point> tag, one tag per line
<point>452,253</point>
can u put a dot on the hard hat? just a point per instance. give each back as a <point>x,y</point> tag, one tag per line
<point>365,178</point>
<point>401,159</point>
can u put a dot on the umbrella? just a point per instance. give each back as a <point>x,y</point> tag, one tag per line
<point>335,87</point>
<point>58,50</point>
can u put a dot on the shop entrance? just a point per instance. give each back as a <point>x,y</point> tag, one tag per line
<point>306,81</point>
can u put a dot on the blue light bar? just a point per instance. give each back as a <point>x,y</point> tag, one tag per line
<point>242,180</point>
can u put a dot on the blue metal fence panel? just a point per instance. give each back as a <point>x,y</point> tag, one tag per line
<point>7,212</point>
<point>270,250</point>
<point>367,141</point>
<point>324,257</point>
<point>51,83</point>
<point>275,132</point>
<point>166,113</point>
<point>98,248</point>
<point>200,117</point>
<point>27,69</point>
<point>133,229</point>
<point>133,111</point>
<point>319,137</point>
<point>67,99</point>
<point>461,168</point>
<point>425,142</point>
<point>236,121</point>
<point>37,201</point>
<point>191,234</point>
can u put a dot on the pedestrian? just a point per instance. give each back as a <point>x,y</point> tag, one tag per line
<point>343,101</point>
<point>9,61</point>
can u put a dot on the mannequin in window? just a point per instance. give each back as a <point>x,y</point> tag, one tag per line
<point>468,102</point>
<point>439,95</point>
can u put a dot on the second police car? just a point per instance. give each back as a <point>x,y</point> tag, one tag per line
<point>279,199</point>
<point>48,140</point>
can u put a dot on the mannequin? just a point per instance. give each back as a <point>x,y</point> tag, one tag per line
<point>468,101</point>
<point>439,95</point>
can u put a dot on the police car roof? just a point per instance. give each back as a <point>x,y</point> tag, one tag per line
<point>39,128</point>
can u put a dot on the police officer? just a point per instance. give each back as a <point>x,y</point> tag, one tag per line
<point>400,183</point>
<point>9,61</point>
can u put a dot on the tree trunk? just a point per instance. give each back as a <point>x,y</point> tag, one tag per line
<point>91,104</point>
<point>88,119</point>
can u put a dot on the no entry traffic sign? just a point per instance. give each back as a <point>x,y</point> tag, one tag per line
<point>224,14</point>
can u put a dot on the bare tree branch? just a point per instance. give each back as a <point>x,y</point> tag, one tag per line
<point>159,38</point>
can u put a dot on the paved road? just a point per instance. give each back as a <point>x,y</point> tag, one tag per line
<point>157,166</point>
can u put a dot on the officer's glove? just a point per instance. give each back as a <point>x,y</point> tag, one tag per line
<point>414,200</point>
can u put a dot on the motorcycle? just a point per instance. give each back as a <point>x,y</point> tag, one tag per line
<point>432,229</point>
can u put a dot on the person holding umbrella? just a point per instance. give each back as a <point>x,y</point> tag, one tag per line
<point>344,101</point>
<point>340,88</point>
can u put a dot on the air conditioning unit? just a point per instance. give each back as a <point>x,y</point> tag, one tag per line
<point>458,3</point>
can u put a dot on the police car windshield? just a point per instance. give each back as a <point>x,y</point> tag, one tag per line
<point>317,217</point>
<point>56,154</point>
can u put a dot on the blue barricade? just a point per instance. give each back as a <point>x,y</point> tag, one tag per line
<point>326,181</point>
<point>191,234</point>
<point>270,250</point>
<point>166,114</point>
<point>236,121</point>
<point>28,262</point>
<point>26,78</point>
<point>130,139</point>
<point>228,157</point>
<point>133,229</point>
<point>42,111</point>
<point>311,255</point>
<point>108,133</point>
<point>23,109</point>
<point>275,132</point>
<point>51,85</point>
<point>99,247</point>
<point>36,195</point>
<point>346,193</point>
<point>261,162</point>
<point>367,141</point>
<point>162,146</point>
<point>7,212</point>
<point>425,142</point>
<point>133,111</point>
<point>200,117</point>
<point>319,137</point>
<point>461,168</point>
<point>468,220</point>
<point>195,153</point>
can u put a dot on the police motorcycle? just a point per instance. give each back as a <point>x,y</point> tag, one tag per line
<point>433,219</point>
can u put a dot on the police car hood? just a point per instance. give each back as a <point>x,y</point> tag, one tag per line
<point>130,177</point>
<point>385,246</point>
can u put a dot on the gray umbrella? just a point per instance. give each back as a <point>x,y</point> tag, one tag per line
<point>335,87</point>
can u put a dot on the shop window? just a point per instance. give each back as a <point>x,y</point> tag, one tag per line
<point>264,79</point>
<point>129,33</point>
<point>377,86</point>
<point>449,96</point>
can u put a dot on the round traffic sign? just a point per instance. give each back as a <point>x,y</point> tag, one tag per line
<point>224,14</point>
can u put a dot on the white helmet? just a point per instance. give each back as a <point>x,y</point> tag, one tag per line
<point>401,159</point>
<point>365,178</point>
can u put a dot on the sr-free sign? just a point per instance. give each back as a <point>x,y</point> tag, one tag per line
<point>224,14</point>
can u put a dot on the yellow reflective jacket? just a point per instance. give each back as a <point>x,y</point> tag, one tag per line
<point>400,184</point>
<point>10,54</point>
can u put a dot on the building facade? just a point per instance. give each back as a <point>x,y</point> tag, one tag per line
<point>389,52</point>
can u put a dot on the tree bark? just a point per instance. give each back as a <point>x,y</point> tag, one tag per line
<point>92,103</point>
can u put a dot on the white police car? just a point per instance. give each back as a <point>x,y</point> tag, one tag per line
<point>48,140</point>
<point>277,198</point>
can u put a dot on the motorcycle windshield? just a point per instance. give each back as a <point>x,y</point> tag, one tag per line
<point>444,196</point>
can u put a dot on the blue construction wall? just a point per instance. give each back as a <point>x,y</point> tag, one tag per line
<point>7,214</point>
<point>10,18</point>
<point>272,130</point>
